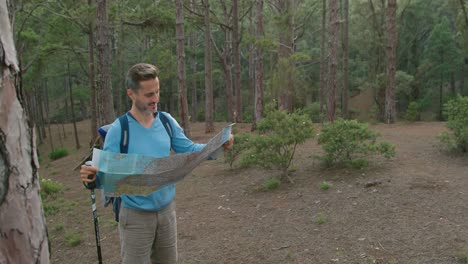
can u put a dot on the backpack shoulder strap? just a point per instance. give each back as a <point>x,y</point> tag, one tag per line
<point>125,135</point>
<point>166,124</point>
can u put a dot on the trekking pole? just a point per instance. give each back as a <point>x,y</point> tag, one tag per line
<point>91,186</point>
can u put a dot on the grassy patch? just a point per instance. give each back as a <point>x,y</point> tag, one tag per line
<point>50,209</point>
<point>73,239</point>
<point>272,184</point>
<point>58,153</point>
<point>320,219</point>
<point>463,256</point>
<point>324,185</point>
<point>59,227</point>
<point>50,188</point>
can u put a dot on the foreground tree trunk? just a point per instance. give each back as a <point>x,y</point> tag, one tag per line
<point>332,60</point>
<point>23,235</point>
<point>390,109</point>
<point>180,38</point>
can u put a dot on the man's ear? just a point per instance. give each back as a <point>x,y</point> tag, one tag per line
<point>130,93</point>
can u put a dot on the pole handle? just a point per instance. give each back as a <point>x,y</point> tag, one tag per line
<point>89,185</point>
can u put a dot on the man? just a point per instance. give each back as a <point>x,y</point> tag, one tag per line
<point>147,224</point>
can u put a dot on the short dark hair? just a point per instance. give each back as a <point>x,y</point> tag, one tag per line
<point>140,72</point>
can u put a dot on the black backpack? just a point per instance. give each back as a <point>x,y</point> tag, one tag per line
<point>125,136</point>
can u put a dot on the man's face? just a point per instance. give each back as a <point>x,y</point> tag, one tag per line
<point>146,99</point>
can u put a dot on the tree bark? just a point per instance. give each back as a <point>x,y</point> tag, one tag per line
<point>92,80</point>
<point>258,64</point>
<point>237,64</point>
<point>390,108</point>
<point>104,65</point>
<point>332,60</point>
<point>180,38</point>
<point>344,94</point>
<point>322,57</point>
<point>225,59</point>
<point>193,64</point>
<point>23,233</point>
<point>209,126</point>
<point>285,8</point>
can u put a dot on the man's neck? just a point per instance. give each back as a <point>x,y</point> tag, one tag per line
<point>145,119</point>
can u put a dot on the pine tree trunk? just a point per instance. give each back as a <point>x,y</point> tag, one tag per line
<point>209,126</point>
<point>92,80</point>
<point>390,108</point>
<point>332,60</point>
<point>236,55</point>
<point>180,38</point>
<point>104,65</point>
<point>23,233</point>
<point>258,64</point>
<point>344,94</point>
<point>285,8</point>
<point>193,65</point>
<point>322,58</point>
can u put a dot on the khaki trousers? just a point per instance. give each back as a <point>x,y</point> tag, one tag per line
<point>148,236</point>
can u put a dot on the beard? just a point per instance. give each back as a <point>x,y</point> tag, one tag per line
<point>147,109</point>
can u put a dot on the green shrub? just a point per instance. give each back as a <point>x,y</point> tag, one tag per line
<point>49,188</point>
<point>374,113</point>
<point>278,135</point>
<point>272,184</point>
<point>448,142</point>
<point>313,111</point>
<point>349,142</point>
<point>58,153</point>
<point>413,111</point>
<point>233,154</point>
<point>456,113</point>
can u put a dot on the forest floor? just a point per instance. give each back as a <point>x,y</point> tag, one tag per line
<point>410,209</point>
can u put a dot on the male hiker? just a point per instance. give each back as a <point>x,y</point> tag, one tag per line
<point>147,224</point>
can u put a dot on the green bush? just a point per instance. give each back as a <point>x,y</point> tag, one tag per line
<point>278,135</point>
<point>349,142</point>
<point>58,153</point>
<point>313,111</point>
<point>240,145</point>
<point>456,113</point>
<point>413,111</point>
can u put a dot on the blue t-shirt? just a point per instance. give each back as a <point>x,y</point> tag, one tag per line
<point>155,142</point>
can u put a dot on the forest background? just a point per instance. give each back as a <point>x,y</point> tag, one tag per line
<point>221,60</point>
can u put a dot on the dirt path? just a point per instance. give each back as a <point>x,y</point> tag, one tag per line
<point>416,213</point>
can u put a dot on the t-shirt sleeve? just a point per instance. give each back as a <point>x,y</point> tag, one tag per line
<point>180,143</point>
<point>112,141</point>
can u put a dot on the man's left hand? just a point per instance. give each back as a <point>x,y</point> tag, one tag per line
<point>229,143</point>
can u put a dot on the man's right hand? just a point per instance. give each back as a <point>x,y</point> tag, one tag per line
<point>88,173</point>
